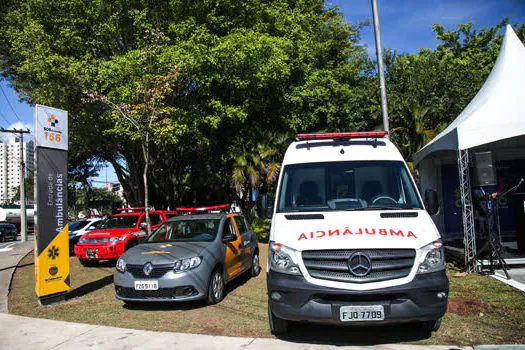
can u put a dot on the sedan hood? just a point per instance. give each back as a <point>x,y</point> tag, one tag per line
<point>108,232</point>
<point>163,253</point>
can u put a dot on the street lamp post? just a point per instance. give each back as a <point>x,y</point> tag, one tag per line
<point>379,54</point>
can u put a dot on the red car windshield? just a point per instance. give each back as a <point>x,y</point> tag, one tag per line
<point>126,221</point>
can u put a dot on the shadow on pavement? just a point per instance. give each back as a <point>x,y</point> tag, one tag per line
<point>17,266</point>
<point>90,287</point>
<point>364,336</point>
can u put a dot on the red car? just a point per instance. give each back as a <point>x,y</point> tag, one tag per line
<point>117,234</point>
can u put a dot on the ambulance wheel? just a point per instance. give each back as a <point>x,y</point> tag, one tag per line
<point>431,326</point>
<point>278,326</point>
<point>215,287</point>
<point>256,268</point>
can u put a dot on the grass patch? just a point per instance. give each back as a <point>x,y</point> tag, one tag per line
<point>482,310</point>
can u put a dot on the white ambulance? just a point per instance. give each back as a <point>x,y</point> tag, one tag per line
<point>351,242</point>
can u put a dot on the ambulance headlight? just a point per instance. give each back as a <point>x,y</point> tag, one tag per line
<point>432,258</point>
<point>283,259</point>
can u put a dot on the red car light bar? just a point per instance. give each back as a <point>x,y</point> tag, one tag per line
<point>213,207</point>
<point>340,135</point>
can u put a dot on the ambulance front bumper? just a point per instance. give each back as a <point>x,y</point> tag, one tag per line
<point>293,298</point>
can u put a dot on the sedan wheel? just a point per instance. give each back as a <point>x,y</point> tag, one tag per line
<point>256,268</point>
<point>216,287</point>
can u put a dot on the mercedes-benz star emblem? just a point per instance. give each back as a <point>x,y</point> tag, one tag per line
<point>147,268</point>
<point>359,264</point>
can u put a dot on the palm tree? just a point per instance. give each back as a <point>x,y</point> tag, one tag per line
<point>257,169</point>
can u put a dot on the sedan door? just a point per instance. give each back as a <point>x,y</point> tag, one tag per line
<point>247,241</point>
<point>233,257</point>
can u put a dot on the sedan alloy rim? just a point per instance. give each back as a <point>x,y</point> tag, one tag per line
<point>217,286</point>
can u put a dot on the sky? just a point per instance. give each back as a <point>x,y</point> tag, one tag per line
<point>405,25</point>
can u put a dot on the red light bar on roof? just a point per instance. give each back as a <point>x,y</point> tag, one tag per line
<point>340,135</point>
<point>214,207</point>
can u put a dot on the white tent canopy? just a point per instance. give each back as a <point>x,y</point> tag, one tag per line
<point>496,113</point>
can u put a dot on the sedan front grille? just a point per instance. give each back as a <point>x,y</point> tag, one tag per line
<point>332,265</point>
<point>158,270</point>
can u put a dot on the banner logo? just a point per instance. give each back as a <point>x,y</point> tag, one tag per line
<point>53,270</point>
<point>52,120</point>
<point>53,252</point>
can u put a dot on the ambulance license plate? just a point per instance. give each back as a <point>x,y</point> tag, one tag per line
<point>91,254</point>
<point>146,285</point>
<point>362,313</point>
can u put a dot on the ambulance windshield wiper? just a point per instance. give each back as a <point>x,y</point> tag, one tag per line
<point>373,208</point>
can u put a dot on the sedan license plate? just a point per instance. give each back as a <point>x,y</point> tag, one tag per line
<point>361,313</point>
<point>146,285</point>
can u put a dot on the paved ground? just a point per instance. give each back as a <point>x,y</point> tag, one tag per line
<point>17,332</point>
<point>10,254</point>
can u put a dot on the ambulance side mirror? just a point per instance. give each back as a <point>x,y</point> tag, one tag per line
<point>431,202</point>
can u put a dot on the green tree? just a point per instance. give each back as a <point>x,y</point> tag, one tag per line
<point>428,90</point>
<point>89,198</point>
<point>141,113</point>
<point>257,169</point>
<point>245,69</point>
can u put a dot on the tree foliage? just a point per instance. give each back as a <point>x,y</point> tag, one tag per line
<point>428,90</point>
<point>245,69</point>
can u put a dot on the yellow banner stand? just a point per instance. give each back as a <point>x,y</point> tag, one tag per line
<point>51,239</point>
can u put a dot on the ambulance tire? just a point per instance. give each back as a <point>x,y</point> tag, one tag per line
<point>215,287</point>
<point>431,326</point>
<point>256,267</point>
<point>278,326</point>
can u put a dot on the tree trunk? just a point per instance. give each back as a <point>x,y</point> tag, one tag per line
<point>145,153</point>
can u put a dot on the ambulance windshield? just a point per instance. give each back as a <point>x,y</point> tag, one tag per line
<point>353,185</point>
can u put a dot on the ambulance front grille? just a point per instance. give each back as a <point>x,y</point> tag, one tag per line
<point>333,265</point>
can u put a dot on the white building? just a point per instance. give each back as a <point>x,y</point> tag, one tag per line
<point>10,166</point>
<point>116,188</point>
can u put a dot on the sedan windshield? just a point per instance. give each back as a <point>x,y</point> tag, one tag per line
<point>186,230</point>
<point>126,221</point>
<point>354,185</point>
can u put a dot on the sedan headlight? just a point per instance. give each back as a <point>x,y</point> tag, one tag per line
<point>432,258</point>
<point>121,265</point>
<point>283,259</point>
<point>116,239</point>
<point>187,264</point>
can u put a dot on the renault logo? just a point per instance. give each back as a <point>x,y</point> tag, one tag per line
<point>147,268</point>
<point>359,264</point>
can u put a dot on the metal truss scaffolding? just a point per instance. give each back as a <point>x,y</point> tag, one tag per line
<point>469,239</point>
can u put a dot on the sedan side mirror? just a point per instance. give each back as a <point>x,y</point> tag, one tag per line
<point>230,237</point>
<point>431,202</point>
